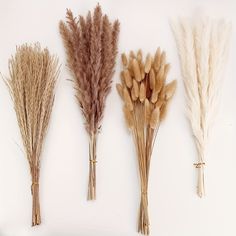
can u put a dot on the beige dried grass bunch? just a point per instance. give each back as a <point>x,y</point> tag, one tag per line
<point>91,47</point>
<point>146,97</point>
<point>33,74</point>
<point>203,48</point>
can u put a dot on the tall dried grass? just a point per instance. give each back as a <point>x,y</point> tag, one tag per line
<point>33,74</point>
<point>91,48</point>
<point>146,97</point>
<point>203,48</point>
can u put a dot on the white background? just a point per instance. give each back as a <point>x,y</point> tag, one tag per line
<point>174,208</point>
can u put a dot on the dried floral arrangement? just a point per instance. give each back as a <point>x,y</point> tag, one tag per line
<point>203,47</point>
<point>91,48</point>
<point>146,97</point>
<point>33,74</point>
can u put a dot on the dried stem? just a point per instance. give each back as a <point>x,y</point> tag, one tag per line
<point>200,176</point>
<point>92,167</point>
<point>143,225</point>
<point>146,96</point>
<point>36,218</point>
<point>203,48</point>
<point>91,48</point>
<point>200,182</point>
<point>33,74</point>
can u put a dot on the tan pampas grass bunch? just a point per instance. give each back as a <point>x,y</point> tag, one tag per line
<point>33,74</point>
<point>203,48</point>
<point>146,97</point>
<point>91,47</point>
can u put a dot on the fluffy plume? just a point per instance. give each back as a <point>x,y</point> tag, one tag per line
<point>203,49</point>
<point>33,74</point>
<point>91,48</point>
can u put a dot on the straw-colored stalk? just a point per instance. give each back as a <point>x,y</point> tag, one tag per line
<point>33,74</point>
<point>145,96</point>
<point>203,48</point>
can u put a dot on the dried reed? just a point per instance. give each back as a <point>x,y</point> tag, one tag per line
<point>146,97</point>
<point>33,73</point>
<point>91,47</point>
<point>203,48</point>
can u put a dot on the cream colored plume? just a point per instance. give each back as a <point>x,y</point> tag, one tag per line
<point>203,48</point>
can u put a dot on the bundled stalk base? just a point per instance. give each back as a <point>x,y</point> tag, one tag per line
<point>146,97</point>
<point>203,47</point>
<point>143,224</point>
<point>92,167</point>
<point>33,74</point>
<point>36,217</point>
<point>200,179</point>
<point>91,47</point>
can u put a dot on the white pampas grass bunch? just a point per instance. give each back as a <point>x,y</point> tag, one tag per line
<point>203,48</point>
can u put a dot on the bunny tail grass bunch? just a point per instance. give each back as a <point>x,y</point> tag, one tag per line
<point>203,48</point>
<point>33,74</point>
<point>91,47</point>
<point>146,97</point>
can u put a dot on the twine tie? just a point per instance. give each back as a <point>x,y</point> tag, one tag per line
<point>199,164</point>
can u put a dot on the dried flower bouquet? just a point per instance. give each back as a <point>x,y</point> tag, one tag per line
<point>203,48</point>
<point>91,47</point>
<point>146,97</point>
<point>33,74</point>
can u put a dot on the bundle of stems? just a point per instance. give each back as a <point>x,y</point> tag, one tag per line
<point>146,97</point>
<point>203,48</point>
<point>33,74</point>
<point>91,47</point>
